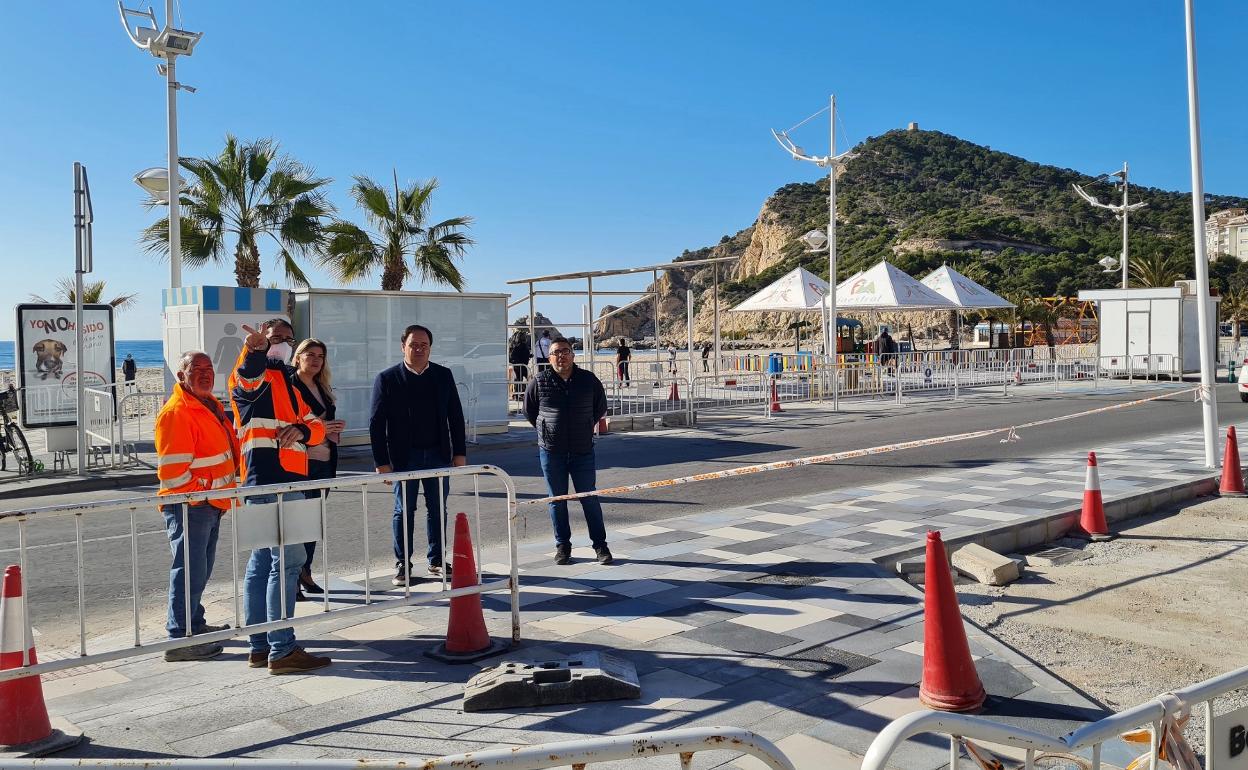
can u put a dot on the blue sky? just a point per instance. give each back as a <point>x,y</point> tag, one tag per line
<point>582,135</point>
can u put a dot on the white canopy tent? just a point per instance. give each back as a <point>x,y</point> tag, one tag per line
<point>799,289</point>
<point>962,291</point>
<point>885,287</point>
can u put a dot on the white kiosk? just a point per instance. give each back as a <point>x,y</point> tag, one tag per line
<point>361,331</point>
<point>1155,329</point>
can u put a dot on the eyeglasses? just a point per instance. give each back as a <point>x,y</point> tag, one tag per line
<point>419,345</point>
<point>560,353</point>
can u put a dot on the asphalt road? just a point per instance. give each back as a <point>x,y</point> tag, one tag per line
<point>717,443</point>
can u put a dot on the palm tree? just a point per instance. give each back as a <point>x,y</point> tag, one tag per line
<point>92,294</point>
<point>1157,269</point>
<point>248,191</point>
<point>400,231</point>
<point>1234,308</point>
<point>1046,315</point>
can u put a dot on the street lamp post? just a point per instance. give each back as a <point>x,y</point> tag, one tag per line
<point>814,239</point>
<point>165,43</point>
<point>1208,403</point>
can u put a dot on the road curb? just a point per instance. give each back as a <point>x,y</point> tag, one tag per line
<point>66,485</point>
<point>1011,538</point>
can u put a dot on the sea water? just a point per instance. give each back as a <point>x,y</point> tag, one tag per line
<point>148,354</point>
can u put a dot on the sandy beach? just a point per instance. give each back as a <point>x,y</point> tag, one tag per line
<point>149,380</point>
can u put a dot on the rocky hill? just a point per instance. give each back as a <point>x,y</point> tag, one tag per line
<point>923,198</point>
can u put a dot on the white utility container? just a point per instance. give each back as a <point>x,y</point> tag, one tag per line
<point>1156,329</point>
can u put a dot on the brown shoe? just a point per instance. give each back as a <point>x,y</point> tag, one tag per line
<point>257,659</point>
<point>297,662</point>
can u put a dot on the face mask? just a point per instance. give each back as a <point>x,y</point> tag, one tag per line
<point>281,351</point>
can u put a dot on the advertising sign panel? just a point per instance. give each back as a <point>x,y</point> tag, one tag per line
<point>49,362</point>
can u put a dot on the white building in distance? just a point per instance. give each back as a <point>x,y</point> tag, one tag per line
<point>1226,232</point>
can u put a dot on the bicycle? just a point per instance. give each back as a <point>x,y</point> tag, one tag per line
<point>12,439</point>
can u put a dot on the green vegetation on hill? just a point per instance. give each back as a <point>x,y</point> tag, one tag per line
<point>1014,225</point>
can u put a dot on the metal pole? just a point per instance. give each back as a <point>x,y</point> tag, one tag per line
<point>1125,213</point>
<point>654,282</point>
<point>532,333</point>
<point>589,321</point>
<point>715,321</point>
<point>1209,405</point>
<point>832,247</point>
<point>689,329</point>
<point>175,219</point>
<point>80,229</point>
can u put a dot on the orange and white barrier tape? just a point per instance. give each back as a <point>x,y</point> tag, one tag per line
<point>852,454</point>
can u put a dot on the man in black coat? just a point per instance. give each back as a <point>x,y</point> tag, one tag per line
<point>564,403</point>
<point>417,423</point>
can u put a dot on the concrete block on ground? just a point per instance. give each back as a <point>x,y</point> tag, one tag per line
<point>619,424</point>
<point>914,570</point>
<point>985,566</point>
<point>675,419</point>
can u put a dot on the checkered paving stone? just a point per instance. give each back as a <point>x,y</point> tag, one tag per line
<point>772,617</point>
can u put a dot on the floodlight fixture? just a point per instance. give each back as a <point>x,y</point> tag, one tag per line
<point>156,182</point>
<point>1109,263</point>
<point>163,43</point>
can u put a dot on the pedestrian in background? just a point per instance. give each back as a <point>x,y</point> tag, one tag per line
<point>276,428</point>
<point>543,350</point>
<point>671,358</point>
<point>518,356</point>
<point>196,450</point>
<point>622,356</point>
<point>128,370</point>
<point>313,380</point>
<point>417,423</point>
<point>706,357</point>
<point>564,403</point>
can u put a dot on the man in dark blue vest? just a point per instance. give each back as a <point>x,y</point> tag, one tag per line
<point>417,423</point>
<point>564,403</point>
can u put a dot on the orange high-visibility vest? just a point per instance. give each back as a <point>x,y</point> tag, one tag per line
<point>264,402</point>
<point>196,449</point>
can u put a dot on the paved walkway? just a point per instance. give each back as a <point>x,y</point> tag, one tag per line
<point>773,617</point>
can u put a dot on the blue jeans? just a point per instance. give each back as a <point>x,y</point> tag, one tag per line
<point>557,467</point>
<point>420,460</point>
<point>194,550</point>
<point>262,589</point>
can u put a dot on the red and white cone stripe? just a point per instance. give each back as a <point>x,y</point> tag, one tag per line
<point>1092,518</point>
<point>1092,482</point>
<point>15,635</point>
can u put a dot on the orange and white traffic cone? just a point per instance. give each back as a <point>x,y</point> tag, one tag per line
<point>467,639</point>
<point>25,728</point>
<point>1092,519</point>
<point>1232,484</point>
<point>950,681</point>
<point>673,393</point>
<point>775,398</point>
<point>602,427</point>
<point>1018,376</point>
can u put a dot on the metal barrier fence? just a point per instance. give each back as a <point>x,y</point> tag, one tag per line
<point>684,742</point>
<point>294,518</point>
<point>1151,715</point>
<point>644,397</point>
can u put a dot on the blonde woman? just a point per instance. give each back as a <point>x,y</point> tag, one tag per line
<point>312,378</point>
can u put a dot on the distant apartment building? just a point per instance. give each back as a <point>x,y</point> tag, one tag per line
<point>1226,232</point>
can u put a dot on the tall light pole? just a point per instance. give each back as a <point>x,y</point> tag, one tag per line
<point>165,43</point>
<point>831,161</point>
<point>1208,403</point>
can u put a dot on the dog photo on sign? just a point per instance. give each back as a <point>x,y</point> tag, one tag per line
<point>48,354</point>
